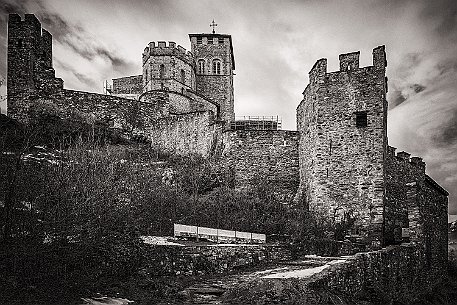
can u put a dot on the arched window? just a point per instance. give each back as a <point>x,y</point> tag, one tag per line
<point>216,66</point>
<point>162,71</point>
<point>183,76</point>
<point>201,66</point>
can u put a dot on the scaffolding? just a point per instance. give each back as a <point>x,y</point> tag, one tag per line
<point>257,123</point>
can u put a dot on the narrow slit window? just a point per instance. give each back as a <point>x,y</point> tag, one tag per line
<point>183,76</point>
<point>361,119</point>
<point>201,66</point>
<point>162,71</point>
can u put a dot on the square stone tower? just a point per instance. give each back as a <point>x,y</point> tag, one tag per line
<point>342,121</point>
<point>215,63</point>
<point>29,63</point>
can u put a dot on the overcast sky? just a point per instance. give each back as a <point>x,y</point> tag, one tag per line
<point>275,44</point>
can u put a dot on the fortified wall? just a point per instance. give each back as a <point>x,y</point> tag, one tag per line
<point>31,83</point>
<point>179,107</point>
<point>338,162</point>
<point>415,208</point>
<point>264,157</point>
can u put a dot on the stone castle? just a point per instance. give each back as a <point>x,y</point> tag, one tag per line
<point>338,163</point>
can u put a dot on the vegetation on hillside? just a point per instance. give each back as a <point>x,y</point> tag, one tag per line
<point>75,199</point>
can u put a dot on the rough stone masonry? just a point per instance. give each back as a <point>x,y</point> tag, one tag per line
<point>338,162</point>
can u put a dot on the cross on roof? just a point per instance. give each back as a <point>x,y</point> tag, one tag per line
<point>213,24</point>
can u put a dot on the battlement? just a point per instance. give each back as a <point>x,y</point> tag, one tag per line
<point>405,157</point>
<point>349,62</point>
<point>15,22</point>
<point>161,48</point>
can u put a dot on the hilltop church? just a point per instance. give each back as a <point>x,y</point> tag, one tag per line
<point>337,163</point>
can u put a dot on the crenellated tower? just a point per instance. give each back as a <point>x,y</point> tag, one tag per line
<point>29,63</point>
<point>168,67</point>
<point>342,121</point>
<point>215,63</point>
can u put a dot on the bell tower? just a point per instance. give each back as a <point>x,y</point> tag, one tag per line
<point>215,64</point>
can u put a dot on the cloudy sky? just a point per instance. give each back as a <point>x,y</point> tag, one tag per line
<point>275,44</point>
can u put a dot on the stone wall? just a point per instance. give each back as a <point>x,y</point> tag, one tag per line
<point>264,156</point>
<point>434,212</point>
<point>210,259</point>
<point>190,133</point>
<point>128,85</point>
<point>125,115</point>
<point>189,102</point>
<point>416,208</point>
<point>342,122</point>
<point>392,275</point>
<point>396,273</point>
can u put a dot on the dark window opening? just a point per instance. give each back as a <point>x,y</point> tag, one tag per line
<point>19,43</point>
<point>199,40</point>
<point>183,76</point>
<point>216,67</point>
<point>221,40</point>
<point>361,119</point>
<point>162,71</point>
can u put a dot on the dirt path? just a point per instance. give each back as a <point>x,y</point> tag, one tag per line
<point>210,291</point>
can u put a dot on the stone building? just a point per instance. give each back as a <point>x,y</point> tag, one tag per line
<point>338,162</point>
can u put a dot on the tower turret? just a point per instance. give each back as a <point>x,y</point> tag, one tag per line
<point>168,67</point>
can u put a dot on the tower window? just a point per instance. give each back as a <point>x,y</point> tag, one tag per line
<point>221,40</point>
<point>199,40</point>
<point>216,66</point>
<point>162,71</point>
<point>210,40</point>
<point>19,43</point>
<point>361,119</point>
<point>183,76</point>
<point>201,66</point>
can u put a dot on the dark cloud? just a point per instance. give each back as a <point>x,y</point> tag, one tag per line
<point>81,77</point>
<point>79,40</point>
<point>396,99</point>
<point>417,88</point>
<point>6,7</point>
<point>444,14</point>
<point>399,96</point>
<point>71,35</point>
<point>448,132</point>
